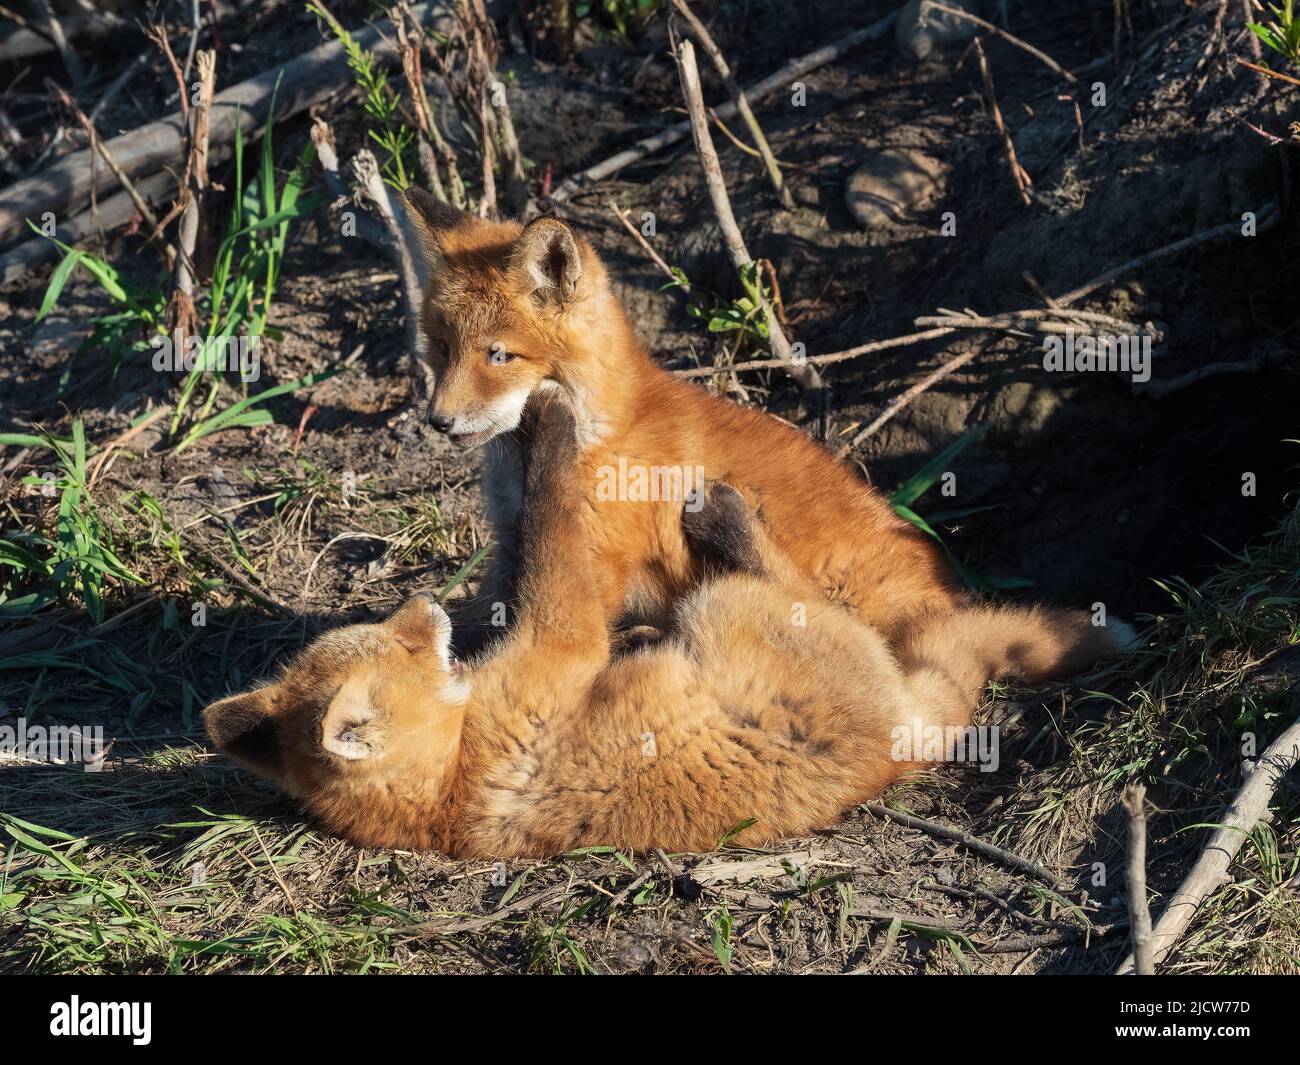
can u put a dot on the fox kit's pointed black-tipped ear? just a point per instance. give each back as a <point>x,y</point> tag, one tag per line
<point>243,727</point>
<point>425,219</point>
<point>547,261</point>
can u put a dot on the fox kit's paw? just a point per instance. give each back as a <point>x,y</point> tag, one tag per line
<point>719,529</point>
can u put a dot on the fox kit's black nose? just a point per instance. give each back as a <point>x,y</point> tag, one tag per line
<point>441,422</point>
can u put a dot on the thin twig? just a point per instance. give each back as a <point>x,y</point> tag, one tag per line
<point>667,270</point>
<point>739,99</point>
<point>146,212</point>
<point>821,360</point>
<point>1010,38</point>
<point>966,840</point>
<point>932,378</point>
<point>777,81</point>
<point>1018,173</point>
<point>1265,218</point>
<point>807,376</point>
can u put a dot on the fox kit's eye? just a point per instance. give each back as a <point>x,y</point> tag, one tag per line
<point>498,356</point>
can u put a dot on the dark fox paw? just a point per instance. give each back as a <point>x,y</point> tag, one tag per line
<point>549,434</point>
<point>719,529</point>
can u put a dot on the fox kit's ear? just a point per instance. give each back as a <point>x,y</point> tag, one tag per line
<point>546,260</point>
<point>242,726</point>
<point>425,219</point>
<point>348,728</point>
<point>417,623</point>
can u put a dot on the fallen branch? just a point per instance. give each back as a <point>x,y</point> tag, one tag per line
<point>87,124</point>
<point>1010,38</point>
<point>820,360</point>
<point>1018,173</point>
<point>1054,320</point>
<point>1139,913</point>
<point>118,210</point>
<point>968,841</point>
<point>1159,389</point>
<point>948,368</point>
<point>779,79</point>
<point>1211,868</point>
<point>65,185</point>
<point>1265,218</point>
<point>806,376</point>
<point>739,100</point>
<point>655,257</point>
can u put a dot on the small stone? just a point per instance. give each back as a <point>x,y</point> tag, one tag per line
<point>918,33</point>
<point>891,185</point>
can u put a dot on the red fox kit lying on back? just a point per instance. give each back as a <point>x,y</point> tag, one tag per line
<point>513,310</point>
<point>549,745</point>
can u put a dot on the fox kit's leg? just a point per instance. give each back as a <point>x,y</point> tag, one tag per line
<point>725,536</point>
<point>488,614</point>
<point>558,588</point>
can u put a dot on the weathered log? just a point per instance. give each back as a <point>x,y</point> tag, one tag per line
<point>65,186</point>
<point>116,211</point>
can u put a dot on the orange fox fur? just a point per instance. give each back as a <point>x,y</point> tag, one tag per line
<point>513,310</point>
<point>749,710</point>
<point>541,298</point>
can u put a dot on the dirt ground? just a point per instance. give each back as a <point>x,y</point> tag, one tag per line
<point>1081,488</point>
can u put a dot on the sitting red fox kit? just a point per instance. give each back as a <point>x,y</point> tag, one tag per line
<point>512,310</point>
<point>745,711</point>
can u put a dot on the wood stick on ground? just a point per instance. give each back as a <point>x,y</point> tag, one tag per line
<point>118,84</point>
<point>1139,913</point>
<point>927,382</point>
<point>822,360</point>
<point>1018,174</point>
<point>1053,320</point>
<point>1159,389</point>
<point>1010,38</point>
<point>968,841</point>
<point>1265,218</point>
<point>1249,806</point>
<point>477,924</point>
<point>806,376</point>
<point>739,100</point>
<point>1256,47</point>
<point>777,80</point>
<point>664,268</point>
<point>181,312</point>
<point>406,252</point>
